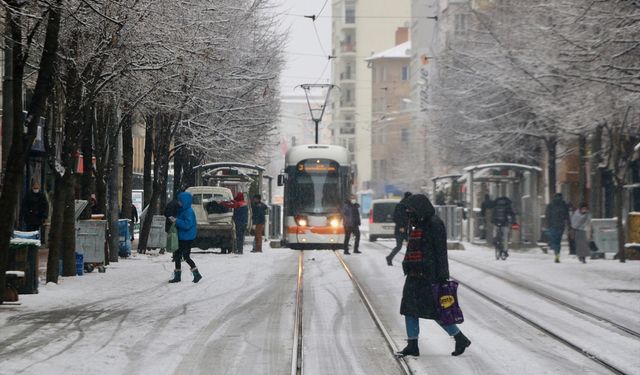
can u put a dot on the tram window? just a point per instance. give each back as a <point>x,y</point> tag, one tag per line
<point>316,194</point>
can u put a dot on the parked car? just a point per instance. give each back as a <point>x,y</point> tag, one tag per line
<point>214,222</point>
<point>381,223</point>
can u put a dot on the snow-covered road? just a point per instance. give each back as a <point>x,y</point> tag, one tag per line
<point>239,318</point>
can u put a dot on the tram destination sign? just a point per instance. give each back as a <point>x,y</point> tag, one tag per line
<point>317,166</point>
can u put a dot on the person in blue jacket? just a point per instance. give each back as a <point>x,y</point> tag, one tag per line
<point>186,225</point>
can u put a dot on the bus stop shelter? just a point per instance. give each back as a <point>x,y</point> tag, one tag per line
<point>235,176</point>
<point>518,182</point>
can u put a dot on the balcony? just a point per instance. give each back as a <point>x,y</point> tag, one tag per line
<point>347,47</point>
<point>347,77</point>
<point>348,105</point>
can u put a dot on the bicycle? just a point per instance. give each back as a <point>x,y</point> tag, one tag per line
<point>500,242</point>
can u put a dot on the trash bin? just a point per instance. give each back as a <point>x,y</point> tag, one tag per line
<point>23,256</point>
<point>605,235</point>
<point>79,264</point>
<point>157,235</point>
<point>90,241</point>
<point>124,238</point>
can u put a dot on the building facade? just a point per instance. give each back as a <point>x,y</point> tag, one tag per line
<point>359,29</point>
<point>391,118</point>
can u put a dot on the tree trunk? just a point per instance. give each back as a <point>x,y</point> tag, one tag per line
<point>87,155</point>
<point>178,160</point>
<point>55,233</point>
<point>127,168</point>
<point>619,201</point>
<point>148,159</point>
<point>113,169</point>
<point>582,170</point>
<point>160,167</point>
<point>101,135</point>
<point>21,144</point>
<point>596,173</point>
<point>551,144</point>
<point>7,95</point>
<point>68,236</point>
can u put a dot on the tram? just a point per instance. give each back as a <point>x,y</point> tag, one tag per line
<point>317,181</point>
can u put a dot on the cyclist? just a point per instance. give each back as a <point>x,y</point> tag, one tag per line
<point>502,216</point>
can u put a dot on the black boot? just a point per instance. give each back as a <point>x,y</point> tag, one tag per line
<point>389,260</point>
<point>410,349</point>
<point>462,342</point>
<point>196,274</point>
<point>176,276</point>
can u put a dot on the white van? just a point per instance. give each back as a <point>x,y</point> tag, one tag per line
<point>215,229</point>
<point>381,223</point>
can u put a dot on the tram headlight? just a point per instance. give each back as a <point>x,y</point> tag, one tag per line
<point>334,222</point>
<point>301,221</point>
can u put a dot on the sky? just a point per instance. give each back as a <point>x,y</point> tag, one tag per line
<point>306,53</point>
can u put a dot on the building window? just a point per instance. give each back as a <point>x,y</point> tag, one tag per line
<point>460,25</point>
<point>349,15</point>
<point>347,95</point>
<point>404,135</point>
<point>405,73</point>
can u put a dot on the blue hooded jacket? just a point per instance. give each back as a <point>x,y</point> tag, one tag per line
<point>186,219</point>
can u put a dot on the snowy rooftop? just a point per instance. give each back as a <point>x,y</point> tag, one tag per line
<point>400,51</point>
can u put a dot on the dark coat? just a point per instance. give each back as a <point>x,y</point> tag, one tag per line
<point>258,213</point>
<point>36,209</point>
<point>502,213</point>
<point>557,213</point>
<point>425,261</point>
<point>349,216</point>
<point>400,217</point>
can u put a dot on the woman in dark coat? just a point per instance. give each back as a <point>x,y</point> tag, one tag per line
<point>425,263</point>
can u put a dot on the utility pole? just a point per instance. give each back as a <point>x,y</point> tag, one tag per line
<point>317,113</point>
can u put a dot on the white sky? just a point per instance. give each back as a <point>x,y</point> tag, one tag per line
<point>305,59</point>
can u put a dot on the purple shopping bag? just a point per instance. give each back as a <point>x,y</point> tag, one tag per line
<point>445,297</point>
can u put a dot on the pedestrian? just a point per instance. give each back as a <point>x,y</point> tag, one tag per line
<point>557,215</point>
<point>35,209</point>
<point>347,223</point>
<point>571,234</point>
<point>258,218</point>
<point>580,222</point>
<point>502,216</point>
<point>485,214</point>
<point>185,222</point>
<point>134,219</point>
<point>425,263</point>
<point>355,229</point>
<point>401,230</point>
<point>240,218</point>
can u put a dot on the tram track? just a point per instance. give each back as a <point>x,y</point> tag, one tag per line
<point>297,355</point>
<point>555,301</point>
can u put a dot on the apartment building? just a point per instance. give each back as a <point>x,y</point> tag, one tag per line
<point>359,30</point>
<point>391,118</point>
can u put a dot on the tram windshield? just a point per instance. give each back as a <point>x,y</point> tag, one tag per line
<point>315,187</point>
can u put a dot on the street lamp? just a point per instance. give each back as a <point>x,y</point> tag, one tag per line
<point>317,113</point>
